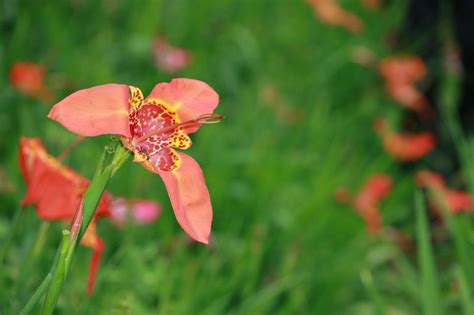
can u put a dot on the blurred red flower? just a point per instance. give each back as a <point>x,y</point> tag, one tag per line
<point>404,147</point>
<point>331,13</point>
<point>169,58</point>
<point>28,78</point>
<point>455,200</point>
<point>56,192</point>
<point>401,74</point>
<point>55,189</point>
<point>366,201</point>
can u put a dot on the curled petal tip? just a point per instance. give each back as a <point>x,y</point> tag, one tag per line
<point>204,240</point>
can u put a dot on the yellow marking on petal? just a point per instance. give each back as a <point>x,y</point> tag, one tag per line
<point>139,156</point>
<point>176,160</point>
<point>136,98</point>
<point>169,107</point>
<point>149,166</point>
<point>181,140</point>
<point>122,112</point>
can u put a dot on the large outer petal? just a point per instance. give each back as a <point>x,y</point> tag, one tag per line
<point>98,110</point>
<point>188,97</point>
<point>190,198</point>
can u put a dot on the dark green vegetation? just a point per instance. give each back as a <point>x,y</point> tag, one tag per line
<point>280,243</point>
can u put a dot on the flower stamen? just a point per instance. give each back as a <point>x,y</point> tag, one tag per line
<point>200,120</point>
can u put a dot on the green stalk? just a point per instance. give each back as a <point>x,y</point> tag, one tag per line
<point>112,159</point>
<point>373,292</point>
<point>465,291</point>
<point>59,273</point>
<point>114,153</point>
<point>459,233</point>
<point>430,290</point>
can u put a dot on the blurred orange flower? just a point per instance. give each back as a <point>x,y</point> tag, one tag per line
<point>285,113</point>
<point>331,13</point>
<point>455,200</point>
<point>366,201</point>
<point>404,147</point>
<point>372,4</point>
<point>56,192</point>
<point>401,74</point>
<point>169,58</point>
<point>28,78</point>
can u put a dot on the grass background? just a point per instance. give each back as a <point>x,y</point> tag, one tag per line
<point>280,243</point>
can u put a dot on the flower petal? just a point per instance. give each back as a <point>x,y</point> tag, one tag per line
<point>91,239</point>
<point>190,198</point>
<point>189,98</point>
<point>54,189</point>
<point>98,110</point>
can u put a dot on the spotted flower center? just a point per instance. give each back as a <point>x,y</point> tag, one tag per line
<point>156,131</point>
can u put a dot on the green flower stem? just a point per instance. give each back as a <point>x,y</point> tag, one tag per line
<point>59,273</point>
<point>429,286</point>
<point>114,156</point>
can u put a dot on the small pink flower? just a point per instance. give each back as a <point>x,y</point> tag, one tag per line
<point>169,58</point>
<point>146,211</point>
<point>141,211</point>
<point>153,128</point>
<point>119,211</point>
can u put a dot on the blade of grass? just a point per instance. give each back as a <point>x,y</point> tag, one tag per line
<point>373,292</point>
<point>465,290</point>
<point>430,292</point>
<point>457,227</point>
<point>6,245</point>
<point>59,273</point>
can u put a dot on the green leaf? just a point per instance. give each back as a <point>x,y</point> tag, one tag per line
<point>430,291</point>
